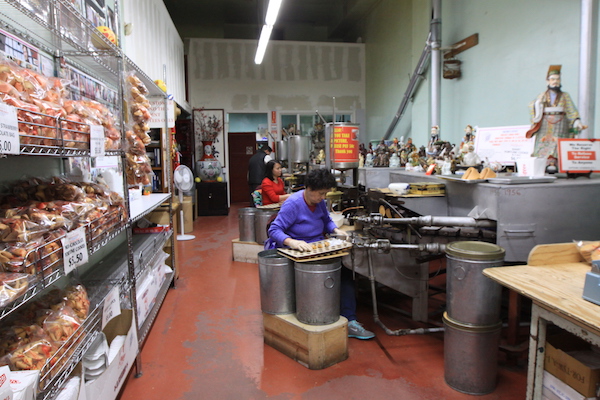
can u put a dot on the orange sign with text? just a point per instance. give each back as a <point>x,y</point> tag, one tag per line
<point>345,144</point>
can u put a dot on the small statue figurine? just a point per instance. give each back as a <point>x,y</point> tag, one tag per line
<point>468,139</point>
<point>369,160</point>
<point>394,160</point>
<point>471,158</point>
<point>362,150</point>
<point>394,146</point>
<point>321,156</point>
<point>361,160</point>
<point>382,155</point>
<point>432,149</point>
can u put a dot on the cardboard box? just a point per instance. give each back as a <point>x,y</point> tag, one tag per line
<point>555,389</point>
<point>188,214</point>
<point>564,355</point>
<point>108,385</point>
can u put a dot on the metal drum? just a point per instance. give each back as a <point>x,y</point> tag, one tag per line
<point>471,356</point>
<point>246,222</point>
<point>282,150</point>
<point>344,146</point>
<point>299,148</point>
<point>473,298</point>
<point>318,291</point>
<point>261,219</point>
<point>277,291</point>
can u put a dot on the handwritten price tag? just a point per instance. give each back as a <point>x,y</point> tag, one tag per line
<point>97,141</point>
<point>112,306</point>
<point>9,130</point>
<point>75,251</point>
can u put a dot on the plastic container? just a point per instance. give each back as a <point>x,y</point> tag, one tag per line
<point>318,291</point>
<point>277,290</point>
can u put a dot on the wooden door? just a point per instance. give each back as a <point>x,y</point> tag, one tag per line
<point>242,145</point>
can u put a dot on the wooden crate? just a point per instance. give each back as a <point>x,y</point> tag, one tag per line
<point>314,346</point>
<point>246,251</point>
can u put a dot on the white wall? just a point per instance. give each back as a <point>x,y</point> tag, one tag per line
<point>518,40</point>
<point>154,43</point>
<point>294,76</point>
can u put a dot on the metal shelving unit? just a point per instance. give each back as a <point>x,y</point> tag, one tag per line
<point>56,28</point>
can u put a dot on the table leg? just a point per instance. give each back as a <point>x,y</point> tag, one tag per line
<point>537,342</point>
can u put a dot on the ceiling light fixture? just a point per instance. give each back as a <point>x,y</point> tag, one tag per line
<point>265,34</point>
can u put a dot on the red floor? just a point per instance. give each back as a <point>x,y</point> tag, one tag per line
<point>207,342</point>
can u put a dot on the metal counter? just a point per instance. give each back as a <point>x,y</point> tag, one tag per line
<point>526,214</point>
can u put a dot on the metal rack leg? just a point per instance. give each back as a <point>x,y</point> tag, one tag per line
<point>138,366</point>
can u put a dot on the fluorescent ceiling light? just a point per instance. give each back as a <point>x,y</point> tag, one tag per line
<point>272,11</point>
<point>265,34</point>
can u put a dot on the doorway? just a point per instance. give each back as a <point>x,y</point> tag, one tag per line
<point>242,146</point>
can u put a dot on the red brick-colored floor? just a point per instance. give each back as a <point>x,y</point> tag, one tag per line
<point>207,341</point>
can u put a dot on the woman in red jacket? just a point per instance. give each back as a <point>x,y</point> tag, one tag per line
<point>273,187</point>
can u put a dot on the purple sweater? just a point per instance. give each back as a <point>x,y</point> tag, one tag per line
<point>295,220</point>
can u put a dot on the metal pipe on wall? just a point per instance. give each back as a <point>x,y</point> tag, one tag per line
<point>436,61</point>
<point>588,43</point>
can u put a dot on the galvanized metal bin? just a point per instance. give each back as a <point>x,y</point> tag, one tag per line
<point>261,219</point>
<point>471,297</point>
<point>277,289</point>
<point>471,356</point>
<point>246,224</point>
<point>318,291</point>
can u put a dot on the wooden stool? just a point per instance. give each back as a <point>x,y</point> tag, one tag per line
<point>314,346</point>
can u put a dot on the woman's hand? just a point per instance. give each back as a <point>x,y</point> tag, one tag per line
<point>300,245</point>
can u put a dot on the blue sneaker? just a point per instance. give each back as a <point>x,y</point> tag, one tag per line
<point>356,330</point>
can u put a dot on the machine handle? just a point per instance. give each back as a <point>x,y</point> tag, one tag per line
<point>519,232</point>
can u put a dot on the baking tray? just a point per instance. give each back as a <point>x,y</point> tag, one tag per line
<point>272,206</point>
<point>519,180</point>
<point>322,250</point>
<point>458,178</point>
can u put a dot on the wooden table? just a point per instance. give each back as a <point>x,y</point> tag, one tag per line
<point>553,278</point>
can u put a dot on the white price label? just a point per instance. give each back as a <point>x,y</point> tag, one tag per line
<point>9,130</point>
<point>75,251</point>
<point>97,141</point>
<point>112,306</point>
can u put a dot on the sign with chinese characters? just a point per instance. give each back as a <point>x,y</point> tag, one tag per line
<point>578,155</point>
<point>75,251</point>
<point>503,144</point>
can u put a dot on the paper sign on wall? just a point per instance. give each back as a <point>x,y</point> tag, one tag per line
<point>157,111</point>
<point>579,155</point>
<point>503,144</point>
<point>112,306</point>
<point>9,130</point>
<point>75,251</point>
<point>97,141</point>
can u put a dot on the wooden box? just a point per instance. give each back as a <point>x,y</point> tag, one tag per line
<point>427,188</point>
<point>314,346</point>
<point>246,251</point>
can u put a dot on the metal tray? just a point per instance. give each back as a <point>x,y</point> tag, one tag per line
<point>458,178</point>
<point>519,180</point>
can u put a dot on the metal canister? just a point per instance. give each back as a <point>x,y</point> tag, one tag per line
<point>246,224</point>
<point>282,150</point>
<point>318,286</point>
<point>471,297</point>
<point>471,356</point>
<point>277,289</point>
<point>261,220</point>
<point>299,148</point>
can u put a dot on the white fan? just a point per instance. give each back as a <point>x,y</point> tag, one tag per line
<point>184,181</point>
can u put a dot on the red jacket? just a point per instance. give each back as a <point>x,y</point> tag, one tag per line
<point>271,191</point>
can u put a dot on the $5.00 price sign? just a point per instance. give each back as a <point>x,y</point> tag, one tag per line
<point>75,251</point>
<point>9,131</point>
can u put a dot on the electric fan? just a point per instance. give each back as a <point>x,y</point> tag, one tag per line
<point>184,181</point>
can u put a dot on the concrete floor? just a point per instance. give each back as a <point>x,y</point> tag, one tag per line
<point>207,342</point>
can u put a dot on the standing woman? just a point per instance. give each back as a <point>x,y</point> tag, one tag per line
<point>273,187</point>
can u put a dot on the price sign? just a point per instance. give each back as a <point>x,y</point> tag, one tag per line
<point>97,140</point>
<point>112,306</point>
<point>74,249</point>
<point>9,130</point>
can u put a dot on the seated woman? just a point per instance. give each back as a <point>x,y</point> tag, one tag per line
<point>303,219</point>
<point>273,190</point>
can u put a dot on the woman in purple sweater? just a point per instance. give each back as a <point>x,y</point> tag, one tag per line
<point>303,219</point>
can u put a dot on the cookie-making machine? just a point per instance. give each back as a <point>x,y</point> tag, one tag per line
<point>395,249</point>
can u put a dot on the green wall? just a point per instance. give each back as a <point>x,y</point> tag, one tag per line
<point>518,40</point>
